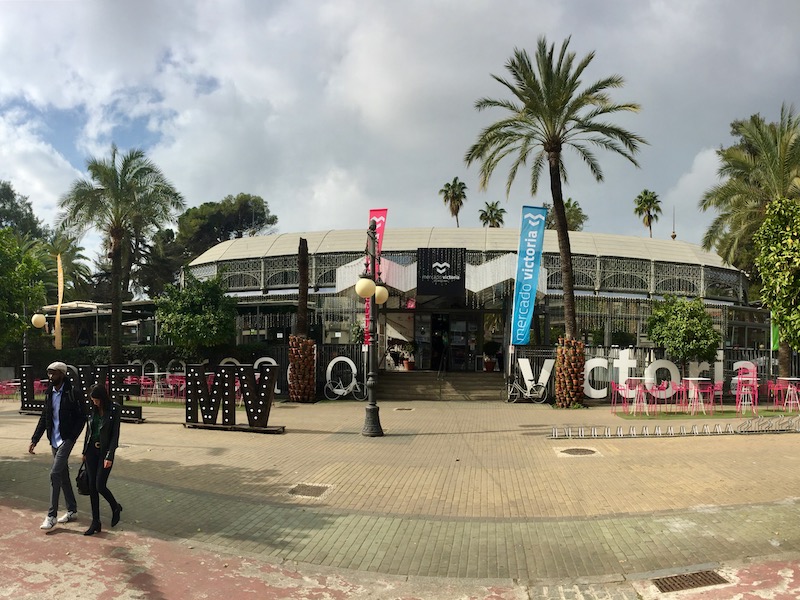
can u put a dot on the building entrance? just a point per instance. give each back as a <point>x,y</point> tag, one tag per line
<point>454,340</point>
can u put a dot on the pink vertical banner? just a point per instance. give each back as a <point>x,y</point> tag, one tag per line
<point>379,216</point>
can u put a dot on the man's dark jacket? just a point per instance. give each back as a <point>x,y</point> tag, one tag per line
<point>71,415</point>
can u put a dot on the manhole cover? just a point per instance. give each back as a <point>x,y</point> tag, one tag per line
<point>307,490</point>
<point>578,451</point>
<point>688,581</point>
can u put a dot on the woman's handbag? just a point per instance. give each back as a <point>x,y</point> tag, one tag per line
<point>82,480</point>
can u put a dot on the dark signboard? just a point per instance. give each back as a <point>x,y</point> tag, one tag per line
<point>441,271</point>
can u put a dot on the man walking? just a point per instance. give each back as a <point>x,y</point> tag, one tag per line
<point>62,419</point>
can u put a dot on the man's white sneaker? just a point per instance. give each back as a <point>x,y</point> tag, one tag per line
<point>48,523</point>
<point>68,516</point>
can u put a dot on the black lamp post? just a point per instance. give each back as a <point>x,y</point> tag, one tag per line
<point>37,320</point>
<point>370,287</point>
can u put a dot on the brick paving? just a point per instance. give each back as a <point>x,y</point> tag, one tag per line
<point>469,499</point>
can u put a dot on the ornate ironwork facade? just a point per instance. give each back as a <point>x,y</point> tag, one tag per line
<point>614,294</point>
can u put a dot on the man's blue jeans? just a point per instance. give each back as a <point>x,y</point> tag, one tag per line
<point>59,478</point>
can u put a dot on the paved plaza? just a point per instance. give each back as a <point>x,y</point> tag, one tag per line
<point>458,500</point>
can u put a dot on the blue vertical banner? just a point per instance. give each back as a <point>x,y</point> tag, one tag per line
<point>529,259</point>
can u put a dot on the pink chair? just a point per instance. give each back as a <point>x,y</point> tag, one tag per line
<point>619,392</point>
<point>705,395</point>
<point>777,389</point>
<point>681,389</point>
<point>716,392</point>
<point>746,391</point>
<point>658,392</point>
<point>639,398</point>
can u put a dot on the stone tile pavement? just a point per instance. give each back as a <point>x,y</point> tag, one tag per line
<point>457,500</point>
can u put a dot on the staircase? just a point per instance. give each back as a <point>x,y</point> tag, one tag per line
<point>428,385</point>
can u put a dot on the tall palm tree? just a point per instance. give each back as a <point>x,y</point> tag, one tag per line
<point>576,218</point>
<point>648,207</point>
<point>454,195</point>
<point>492,215</point>
<point>548,113</point>
<point>121,192</point>
<point>764,166</point>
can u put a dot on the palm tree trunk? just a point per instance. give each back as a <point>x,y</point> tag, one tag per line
<point>115,333</point>
<point>302,289</point>
<point>784,359</point>
<point>567,282</point>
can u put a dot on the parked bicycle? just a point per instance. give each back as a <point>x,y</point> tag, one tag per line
<point>515,391</point>
<point>337,390</point>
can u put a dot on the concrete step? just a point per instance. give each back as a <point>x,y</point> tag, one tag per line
<point>428,385</point>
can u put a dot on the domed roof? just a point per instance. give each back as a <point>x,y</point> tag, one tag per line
<point>486,239</point>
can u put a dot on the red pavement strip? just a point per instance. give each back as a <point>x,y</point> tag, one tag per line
<point>122,564</point>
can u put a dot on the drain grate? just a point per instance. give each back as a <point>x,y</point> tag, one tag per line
<point>688,581</point>
<point>307,490</point>
<point>403,408</point>
<point>578,451</point>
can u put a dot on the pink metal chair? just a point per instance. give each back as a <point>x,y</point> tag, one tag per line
<point>746,391</point>
<point>658,392</point>
<point>705,395</point>
<point>639,398</point>
<point>681,389</point>
<point>777,389</point>
<point>619,392</point>
<point>717,393</point>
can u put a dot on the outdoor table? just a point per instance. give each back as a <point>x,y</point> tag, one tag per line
<point>695,396</point>
<point>791,392</point>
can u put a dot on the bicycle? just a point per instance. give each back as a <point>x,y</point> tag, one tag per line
<point>338,390</point>
<point>514,392</point>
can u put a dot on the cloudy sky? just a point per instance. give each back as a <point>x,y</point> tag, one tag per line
<point>329,108</point>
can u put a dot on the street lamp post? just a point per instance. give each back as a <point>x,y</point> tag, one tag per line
<point>38,320</point>
<point>370,287</point>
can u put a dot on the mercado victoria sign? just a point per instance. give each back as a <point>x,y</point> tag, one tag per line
<point>208,396</point>
<point>441,271</point>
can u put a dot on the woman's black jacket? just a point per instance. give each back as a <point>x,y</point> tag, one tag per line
<point>109,432</point>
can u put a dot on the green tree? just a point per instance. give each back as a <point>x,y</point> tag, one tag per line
<point>492,215</point>
<point>162,263</point>
<point>684,329</point>
<point>778,261</point>
<point>204,226</point>
<point>21,287</point>
<point>576,218</point>
<point>548,113</point>
<point>454,195</point>
<point>16,212</point>
<point>764,166</point>
<point>761,166</point>
<point>198,316</point>
<point>121,193</point>
<point>648,207</point>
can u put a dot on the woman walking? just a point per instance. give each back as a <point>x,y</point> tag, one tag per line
<point>102,438</point>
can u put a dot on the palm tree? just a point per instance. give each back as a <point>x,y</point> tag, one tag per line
<point>576,218</point>
<point>764,166</point>
<point>454,195</point>
<point>122,192</point>
<point>547,114</point>
<point>648,207</point>
<point>492,215</point>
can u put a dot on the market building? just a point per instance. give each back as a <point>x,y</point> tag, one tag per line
<point>617,278</point>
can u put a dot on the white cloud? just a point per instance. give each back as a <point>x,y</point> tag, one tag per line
<point>685,195</point>
<point>327,109</point>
